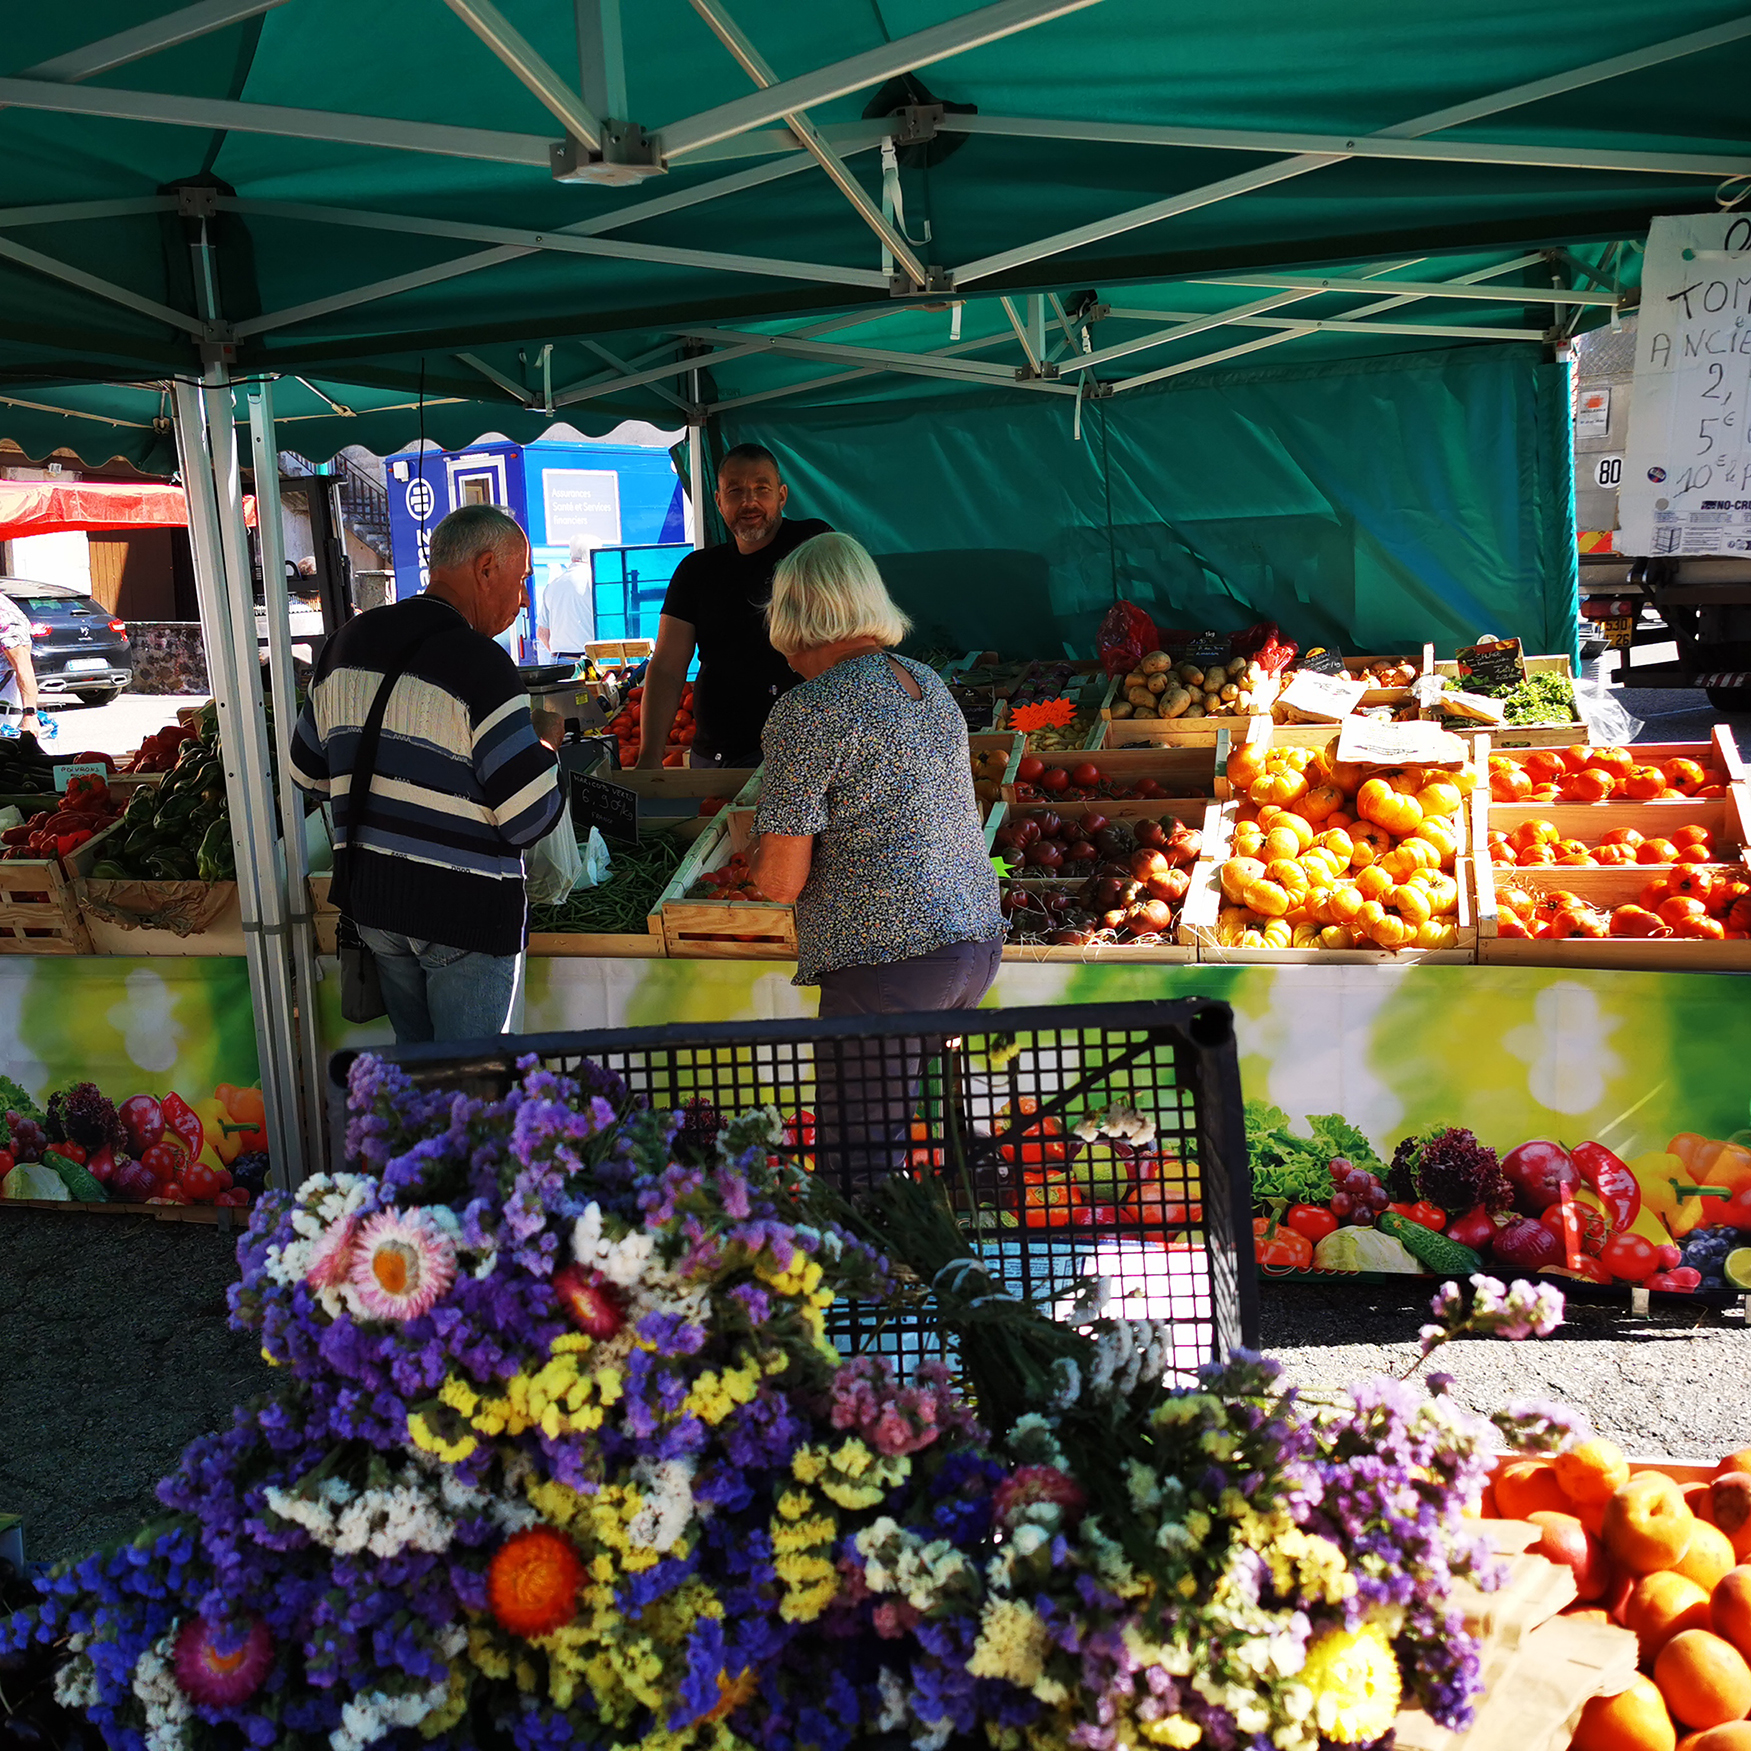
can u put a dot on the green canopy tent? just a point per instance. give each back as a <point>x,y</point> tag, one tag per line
<point>424,200</point>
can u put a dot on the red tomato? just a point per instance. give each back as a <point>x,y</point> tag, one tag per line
<point>1086,776</point>
<point>1312,1221</point>
<point>1055,778</point>
<point>235,1196</point>
<point>1429,1215</point>
<point>1028,772</point>
<point>1049,1202</point>
<point>203,1184</point>
<point>1629,1258</point>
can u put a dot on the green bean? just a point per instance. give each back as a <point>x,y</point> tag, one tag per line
<point>638,875</point>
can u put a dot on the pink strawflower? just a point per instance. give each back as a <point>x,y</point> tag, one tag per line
<point>332,1261</point>
<point>1037,1483</point>
<point>402,1263</point>
<point>217,1668</point>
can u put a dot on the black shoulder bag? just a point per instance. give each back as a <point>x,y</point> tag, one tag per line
<point>361,991</point>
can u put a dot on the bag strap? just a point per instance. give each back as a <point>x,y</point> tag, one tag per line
<point>364,770</point>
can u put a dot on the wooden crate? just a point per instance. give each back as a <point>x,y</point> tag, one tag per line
<point>1727,818</point>
<point>723,929</point>
<point>1505,736</point>
<point>1127,733</point>
<point>678,790</point>
<point>1719,756</point>
<point>221,935</point>
<point>1102,953</point>
<point>1423,663</point>
<point>39,902</point>
<point>1182,772</point>
<point>1204,903</point>
<point>1603,888</point>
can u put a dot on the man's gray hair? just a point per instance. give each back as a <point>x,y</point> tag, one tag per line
<point>580,549</point>
<point>473,529</point>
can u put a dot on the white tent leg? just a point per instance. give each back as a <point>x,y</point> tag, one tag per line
<point>307,1044</point>
<point>207,447</point>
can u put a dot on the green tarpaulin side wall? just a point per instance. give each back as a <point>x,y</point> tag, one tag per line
<point>1366,505</point>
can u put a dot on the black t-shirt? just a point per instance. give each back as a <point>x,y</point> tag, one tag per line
<point>722,594</point>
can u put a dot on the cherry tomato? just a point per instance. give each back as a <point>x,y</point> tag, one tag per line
<point>1311,1221</point>
<point>1629,1258</point>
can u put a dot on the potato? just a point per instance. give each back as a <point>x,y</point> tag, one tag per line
<point>1212,696</point>
<point>1215,675</point>
<point>1194,711</point>
<point>1174,702</point>
<point>1191,674</point>
<point>1136,678</point>
<point>1123,708</point>
<point>1230,691</point>
<point>1144,711</point>
<point>1157,682</point>
<point>1156,663</point>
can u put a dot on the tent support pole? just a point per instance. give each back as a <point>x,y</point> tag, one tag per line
<point>207,447</point>
<point>696,459</point>
<point>307,1045</point>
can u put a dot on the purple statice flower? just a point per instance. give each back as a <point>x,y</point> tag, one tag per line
<point>1540,1425</point>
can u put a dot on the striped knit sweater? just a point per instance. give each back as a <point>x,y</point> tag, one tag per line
<point>461,783</point>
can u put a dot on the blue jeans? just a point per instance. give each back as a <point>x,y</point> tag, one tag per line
<point>435,992</point>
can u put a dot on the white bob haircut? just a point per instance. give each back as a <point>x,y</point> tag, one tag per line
<point>829,590</point>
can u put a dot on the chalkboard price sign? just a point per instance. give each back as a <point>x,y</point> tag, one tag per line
<point>1496,664</point>
<point>1324,662</point>
<point>610,807</point>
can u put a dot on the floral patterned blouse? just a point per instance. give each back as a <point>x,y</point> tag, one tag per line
<point>883,783</point>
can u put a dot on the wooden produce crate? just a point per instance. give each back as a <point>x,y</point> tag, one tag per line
<point>1727,818</point>
<point>677,791</point>
<point>1181,772</point>
<point>1204,903</point>
<point>1108,954</point>
<point>1504,737</point>
<point>1719,757</point>
<point>619,653</point>
<point>1123,733</point>
<point>216,904</point>
<point>743,930</point>
<point>1423,663</point>
<point>1090,672</point>
<point>39,908</point>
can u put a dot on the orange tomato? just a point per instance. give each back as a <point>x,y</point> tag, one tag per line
<point>1622,836</point>
<point>1636,921</point>
<point>1678,908</point>
<point>1543,765</point>
<point>1534,833</point>
<point>1616,761</point>
<point>1692,835</point>
<point>1582,922</point>
<point>1710,928</point>
<point>1643,782</point>
<point>1615,856</point>
<point>1656,851</point>
<point>1684,775</point>
<point>1589,785</point>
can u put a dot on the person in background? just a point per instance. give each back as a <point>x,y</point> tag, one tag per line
<point>15,650</point>
<point>716,605</point>
<point>868,823</point>
<point>566,621</point>
<point>462,782</point>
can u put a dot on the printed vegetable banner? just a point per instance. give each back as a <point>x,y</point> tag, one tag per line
<point>129,1080</point>
<point>1377,1068</point>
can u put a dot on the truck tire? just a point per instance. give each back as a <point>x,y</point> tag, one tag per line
<point>1730,699</point>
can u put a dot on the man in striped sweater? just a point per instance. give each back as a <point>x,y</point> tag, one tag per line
<point>460,786</point>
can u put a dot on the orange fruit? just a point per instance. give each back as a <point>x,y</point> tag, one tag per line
<point>1563,1539</point>
<point>1739,1461</point>
<point>1734,1736</point>
<point>1525,1487</point>
<point>1704,1679</point>
<point>1647,1525</point>
<point>1709,1557</point>
<point>1730,1608</point>
<point>1592,1472</point>
<point>1660,1605</point>
<point>1634,1720</point>
<point>1729,1505</point>
<point>1696,1498</point>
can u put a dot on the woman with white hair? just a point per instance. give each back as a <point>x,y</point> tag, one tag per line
<point>867,818</point>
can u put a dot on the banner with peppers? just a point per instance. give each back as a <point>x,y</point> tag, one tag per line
<point>1606,1112</point>
<point>133,1076</point>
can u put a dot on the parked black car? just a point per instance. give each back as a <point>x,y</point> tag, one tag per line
<point>76,645</point>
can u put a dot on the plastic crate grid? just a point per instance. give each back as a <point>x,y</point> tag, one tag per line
<point>991,1101</point>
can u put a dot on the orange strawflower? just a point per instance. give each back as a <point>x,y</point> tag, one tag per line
<point>532,1583</point>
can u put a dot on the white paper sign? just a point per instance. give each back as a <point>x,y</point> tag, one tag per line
<point>1592,413</point>
<point>1315,698</point>
<point>1686,487</point>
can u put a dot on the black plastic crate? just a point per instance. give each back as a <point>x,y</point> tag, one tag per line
<point>990,1100</point>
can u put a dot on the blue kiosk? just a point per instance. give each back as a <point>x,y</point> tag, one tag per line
<point>616,496</point>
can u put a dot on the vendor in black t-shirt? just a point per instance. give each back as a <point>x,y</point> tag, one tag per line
<point>716,603</point>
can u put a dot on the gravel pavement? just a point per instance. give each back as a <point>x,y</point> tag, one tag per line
<point>1671,1384</point>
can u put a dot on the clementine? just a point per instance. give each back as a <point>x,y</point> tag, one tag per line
<point>1647,1525</point>
<point>1563,1539</point>
<point>1592,1472</point>
<point>1704,1679</point>
<point>1709,1557</point>
<point>1660,1605</point>
<point>1525,1487</point>
<point>1730,1608</point>
<point>1633,1720</point>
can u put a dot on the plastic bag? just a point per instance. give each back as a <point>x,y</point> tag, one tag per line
<point>1127,635</point>
<point>1265,646</point>
<point>597,868</point>
<point>555,864</point>
<point>1609,725</point>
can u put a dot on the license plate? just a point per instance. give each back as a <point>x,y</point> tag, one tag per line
<point>1618,631</point>
<point>86,665</point>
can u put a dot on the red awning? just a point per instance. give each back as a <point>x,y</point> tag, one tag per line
<point>45,507</point>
